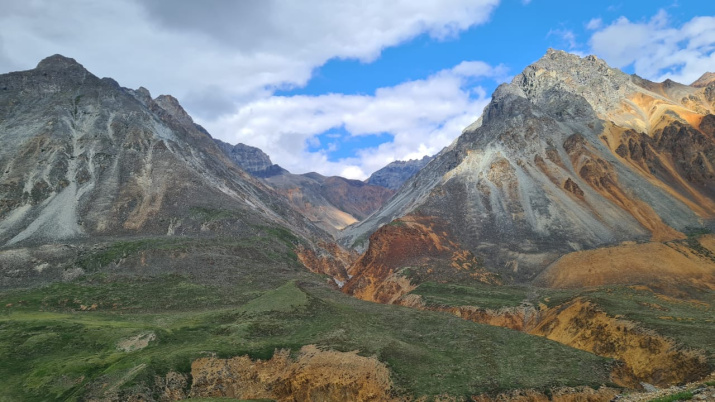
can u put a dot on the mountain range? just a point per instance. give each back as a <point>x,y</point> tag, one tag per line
<point>142,259</point>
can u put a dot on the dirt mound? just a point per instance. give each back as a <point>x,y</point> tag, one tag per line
<point>314,375</point>
<point>672,265</point>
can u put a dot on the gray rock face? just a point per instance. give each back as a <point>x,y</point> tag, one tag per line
<point>251,159</point>
<point>82,156</point>
<point>571,155</point>
<point>397,173</point>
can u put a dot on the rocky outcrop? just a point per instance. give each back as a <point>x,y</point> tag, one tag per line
<point>396,173</point>
<point>571,155</point>
<point>645,356</point>
<point>250,159</point>
<point>314,375</point>
<point>648,357</point>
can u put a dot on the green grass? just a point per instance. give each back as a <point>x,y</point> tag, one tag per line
<point>54,351</point>
<point>481,295</point>
<point>286,298</point>
<point>249,296</point>
<point>680,396</point>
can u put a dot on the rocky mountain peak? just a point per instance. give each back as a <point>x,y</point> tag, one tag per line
<point>590,77</point>
<point>704,80</point>
<point>570,155</point>
<point>59,62</point>
<point>174,108</point>
<point>396,173</point>
<point>251,159</point>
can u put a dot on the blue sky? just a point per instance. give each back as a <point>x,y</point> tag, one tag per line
<point>344,87</point>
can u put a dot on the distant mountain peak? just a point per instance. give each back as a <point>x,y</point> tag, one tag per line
<point>59,62</point>
<point>704,80</point>
<point>396,173</point>
<point>251,159</point>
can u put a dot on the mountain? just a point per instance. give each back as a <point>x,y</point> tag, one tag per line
<point>571,155</point>
<point>84,158</point>
<point>331,203</point>
<point>704,81</point>
<point>396,173</point>
<point>138,261</point>
<point>250,159</point>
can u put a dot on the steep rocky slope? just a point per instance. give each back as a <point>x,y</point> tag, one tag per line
<point>250,159</point>
<point>83,156</point>
<point>571,155</point>
<point>397,173</point>
<point>87,161</point>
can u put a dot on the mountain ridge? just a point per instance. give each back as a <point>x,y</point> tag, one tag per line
<point>570,155</point>
<point>92,158</point>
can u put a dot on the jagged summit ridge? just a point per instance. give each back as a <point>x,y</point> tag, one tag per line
<point>571,155</point>
<point>396,173</point>
<point>83,156</point>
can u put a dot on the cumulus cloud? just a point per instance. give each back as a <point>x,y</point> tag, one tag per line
<point>656,49</point>
<point>240,50</point>
<point>224,60</point>
<point>421,117</point>
<point>566,35</point>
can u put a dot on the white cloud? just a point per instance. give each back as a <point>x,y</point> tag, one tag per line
<point>566,35</point>
<point>658,50</point>
<point>421,116</point>
<point>224,59</point>
<point>214,54</point>
<point>594,23</point>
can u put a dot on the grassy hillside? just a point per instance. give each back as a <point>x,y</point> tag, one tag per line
<point>119,327</point>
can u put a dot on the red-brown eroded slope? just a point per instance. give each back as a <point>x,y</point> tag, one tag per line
<point>411,242</point>
<point>328,259</point>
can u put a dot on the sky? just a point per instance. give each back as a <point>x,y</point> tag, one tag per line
<point>345,87</point>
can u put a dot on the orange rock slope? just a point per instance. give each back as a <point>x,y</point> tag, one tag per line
<point>412,245</point>
<point>672,267</point>
<point>314,375</point>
